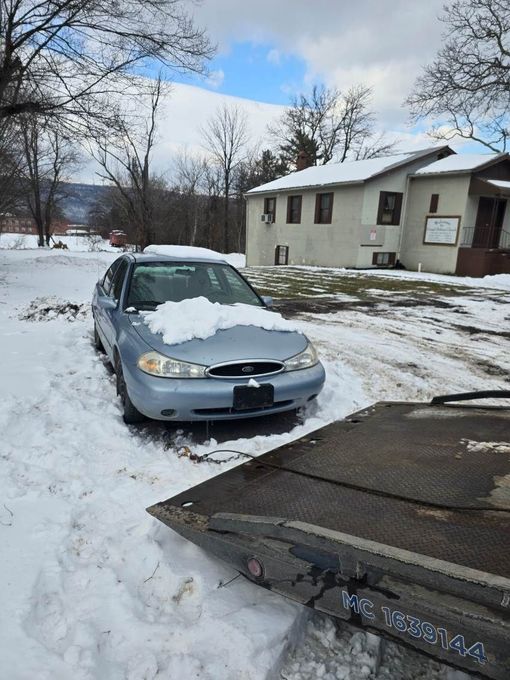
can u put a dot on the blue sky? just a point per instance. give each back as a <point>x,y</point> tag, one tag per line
<point>254,71</point>
<point>271,50</point>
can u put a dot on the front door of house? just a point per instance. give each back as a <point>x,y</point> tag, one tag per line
<point>489,222</point>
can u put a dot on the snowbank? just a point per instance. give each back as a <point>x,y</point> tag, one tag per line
<point>237,260</point>
<point>82,244</point>
<point>17,241</point>
<point>199,318</point>
<point>497,280</point>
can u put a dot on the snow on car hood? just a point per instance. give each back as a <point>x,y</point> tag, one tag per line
<point>203,332</point>
<point>199,318</point>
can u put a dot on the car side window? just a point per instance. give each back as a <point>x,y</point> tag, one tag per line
<point>108,277</point>
<point>118,280</point>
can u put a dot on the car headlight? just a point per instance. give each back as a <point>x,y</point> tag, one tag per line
<point>304,359</point>
<point>165,367</point>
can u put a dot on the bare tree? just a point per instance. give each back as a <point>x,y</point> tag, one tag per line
<point>329,125</point>
<point>124,154</point>
<point>65,57</point>
<point>190,175</point>
<point>225,137</point>
<point>48,155</point>
<point>11,167</point>
<point>467,87</point>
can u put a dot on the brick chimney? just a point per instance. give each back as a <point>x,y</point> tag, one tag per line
<point>303,160</point>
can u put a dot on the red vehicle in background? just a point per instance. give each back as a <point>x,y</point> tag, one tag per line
<point>118,238</point>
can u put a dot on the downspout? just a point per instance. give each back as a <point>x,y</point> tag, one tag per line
<point>403,219</point>
<point>245,197</point>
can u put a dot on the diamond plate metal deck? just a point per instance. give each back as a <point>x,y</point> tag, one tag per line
<point>417,477</point>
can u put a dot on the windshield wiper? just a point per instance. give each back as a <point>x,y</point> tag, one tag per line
<point>145,303</point>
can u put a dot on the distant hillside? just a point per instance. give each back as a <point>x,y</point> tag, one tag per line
<point>77,199</point>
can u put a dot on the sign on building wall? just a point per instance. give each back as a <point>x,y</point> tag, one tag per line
<point>441,230</point>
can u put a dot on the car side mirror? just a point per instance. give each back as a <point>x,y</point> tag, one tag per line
<point>108,302</point>
<point>267,300</point>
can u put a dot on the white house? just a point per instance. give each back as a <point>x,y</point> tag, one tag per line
<point>433,208</point>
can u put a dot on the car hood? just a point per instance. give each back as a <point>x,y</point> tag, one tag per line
<point>232,344</point>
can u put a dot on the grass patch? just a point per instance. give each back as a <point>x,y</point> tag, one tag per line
<point>295,283</point>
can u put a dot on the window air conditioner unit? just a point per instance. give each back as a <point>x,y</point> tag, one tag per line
<point>267,218</point>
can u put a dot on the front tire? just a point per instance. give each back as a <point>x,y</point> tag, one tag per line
<point>97,340</point>
<point>130,413</point>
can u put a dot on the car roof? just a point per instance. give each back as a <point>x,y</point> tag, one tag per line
<point>153,257</point>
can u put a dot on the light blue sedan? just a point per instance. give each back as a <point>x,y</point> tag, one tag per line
<point>240,372</point>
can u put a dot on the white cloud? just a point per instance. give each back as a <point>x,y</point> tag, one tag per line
<point>375,42</point>
<point>274,57</point>
<point>216,78</point>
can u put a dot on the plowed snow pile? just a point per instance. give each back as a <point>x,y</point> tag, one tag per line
<point>49,308</point>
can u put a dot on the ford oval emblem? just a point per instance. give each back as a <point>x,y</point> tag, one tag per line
<point>247,369</point>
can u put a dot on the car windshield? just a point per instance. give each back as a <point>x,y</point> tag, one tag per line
<point>153,283</point>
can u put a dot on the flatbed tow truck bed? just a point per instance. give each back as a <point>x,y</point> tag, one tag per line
<point>396,519</point>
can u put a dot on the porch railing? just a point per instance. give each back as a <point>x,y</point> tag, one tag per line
<point>484,237</point>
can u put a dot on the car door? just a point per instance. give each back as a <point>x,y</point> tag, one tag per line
<point>101,296</point>
<point>104,304</point>
<point>112,310</point>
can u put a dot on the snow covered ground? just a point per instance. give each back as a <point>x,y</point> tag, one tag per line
<point>93,243</point>
<point>95,588</point>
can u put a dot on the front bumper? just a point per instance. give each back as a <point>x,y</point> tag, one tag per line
<point>212,399</point>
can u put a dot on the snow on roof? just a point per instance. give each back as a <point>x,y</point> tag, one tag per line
<point>340,173</point>
<point>501,183</point>
<point>185,252</point>
<point>199,318</point>
<point>460,163</point>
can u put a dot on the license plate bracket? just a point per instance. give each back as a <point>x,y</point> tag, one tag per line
<point>247,397</point>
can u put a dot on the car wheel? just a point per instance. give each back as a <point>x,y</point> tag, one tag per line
<point>97,341</point>
<point>131,414</point>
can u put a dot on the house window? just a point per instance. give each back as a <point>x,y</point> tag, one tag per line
<point>270,207</point>
<point>390,205</point>
<point>294,210</point>
<point>323,208</point>
<point>434,202</point>
<point>383,259</point>
<point>281,255</point>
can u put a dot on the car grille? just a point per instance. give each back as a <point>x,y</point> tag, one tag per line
<point>245,369</point>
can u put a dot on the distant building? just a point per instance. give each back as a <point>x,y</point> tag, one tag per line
<point>14,224</point>
<point>432,209</point>
<point>17,225</point>
<point>80,230</point>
